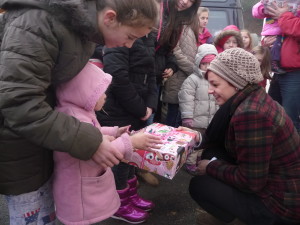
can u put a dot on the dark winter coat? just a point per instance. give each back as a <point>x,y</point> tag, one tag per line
<point>43,43</point>
<point>133,87</point>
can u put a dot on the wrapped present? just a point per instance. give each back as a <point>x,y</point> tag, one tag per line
<point>172,154</point>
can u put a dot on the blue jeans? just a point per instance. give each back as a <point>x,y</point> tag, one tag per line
<point>173,115</point>
<point>286,90</point>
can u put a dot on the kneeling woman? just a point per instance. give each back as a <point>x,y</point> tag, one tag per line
<point>250,168</point>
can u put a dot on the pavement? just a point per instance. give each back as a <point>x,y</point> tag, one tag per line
<point>174,205</point>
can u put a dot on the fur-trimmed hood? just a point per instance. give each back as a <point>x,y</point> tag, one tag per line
<point>79,15</point>
<point>226,33</point>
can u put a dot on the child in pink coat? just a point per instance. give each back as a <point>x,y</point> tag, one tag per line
<point>85,192</point>
<point>271,28</point>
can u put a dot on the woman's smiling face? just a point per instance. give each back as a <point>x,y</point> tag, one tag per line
<point>220,88</point>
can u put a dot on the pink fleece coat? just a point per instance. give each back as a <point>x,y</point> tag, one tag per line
<point>84,192</point>
<point>270,28</point>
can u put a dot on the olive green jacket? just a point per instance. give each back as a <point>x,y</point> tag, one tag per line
<point>43,43</point>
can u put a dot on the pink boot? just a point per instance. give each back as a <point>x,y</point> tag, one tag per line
<point>136,200</point>
<point>128,212</point>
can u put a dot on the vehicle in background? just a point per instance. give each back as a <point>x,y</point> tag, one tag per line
<point>223,13</point>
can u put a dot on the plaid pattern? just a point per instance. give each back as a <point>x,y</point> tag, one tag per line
<point>266,147</point>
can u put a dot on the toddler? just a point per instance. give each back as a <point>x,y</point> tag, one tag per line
<point>271,28</point>
<point>196,105</point>
<point>85,192</point>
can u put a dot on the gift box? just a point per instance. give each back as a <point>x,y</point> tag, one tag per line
<point>172,154</point>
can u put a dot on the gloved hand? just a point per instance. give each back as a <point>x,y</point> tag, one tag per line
<point>188,122</point>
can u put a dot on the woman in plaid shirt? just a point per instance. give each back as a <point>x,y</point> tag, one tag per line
<point>250,168</point>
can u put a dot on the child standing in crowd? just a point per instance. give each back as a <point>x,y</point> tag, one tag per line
<point>271,28</point>
<point>247,40</point>
<point>131,99</point>
<point>264,58</point>
<point>59,37</point>
<point>196,105</point>
<point>229,37</point>
<point>204,34</point>
<point>83,186</point>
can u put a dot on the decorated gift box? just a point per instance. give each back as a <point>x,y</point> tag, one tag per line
<point>172,154</point>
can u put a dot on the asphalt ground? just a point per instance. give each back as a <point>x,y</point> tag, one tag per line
<point>174,205</point>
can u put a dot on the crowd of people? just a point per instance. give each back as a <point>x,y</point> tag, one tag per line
<point>78,77</point>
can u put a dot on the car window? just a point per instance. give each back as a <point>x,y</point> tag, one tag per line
<point>218,19</point>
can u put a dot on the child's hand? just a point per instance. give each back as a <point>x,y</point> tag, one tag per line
<point>148,114</point>
<point>145,141</point>
<point>123,130</point>
<point>198,135</point>
<point>187,122</point>
<point>167,73</point>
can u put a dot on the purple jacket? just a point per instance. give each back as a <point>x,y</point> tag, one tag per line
<point>271,26</point>
<point>84,192</point>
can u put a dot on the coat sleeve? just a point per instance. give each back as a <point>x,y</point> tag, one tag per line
<point>28,55</point>
<point>258,11</point>
<point>186,97</point>
<point>116,63</point>
<point>253,134</point>
<point>185,58</point>
<point>290,24</point>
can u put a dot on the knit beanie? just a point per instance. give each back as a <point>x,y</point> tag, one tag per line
<point>237,66</point>
<point>208,58</point>
<point>231,27</point>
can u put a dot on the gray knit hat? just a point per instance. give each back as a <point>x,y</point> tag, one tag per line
<point>237,66</point>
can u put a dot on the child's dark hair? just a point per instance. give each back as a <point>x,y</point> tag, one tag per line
<point>132,12</point>
<point>265,64</point>
<point>175,20</point>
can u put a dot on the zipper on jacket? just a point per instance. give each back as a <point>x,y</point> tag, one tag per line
<point>145,78</point>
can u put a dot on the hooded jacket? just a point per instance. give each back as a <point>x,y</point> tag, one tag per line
<point>225,34</point>
<point>194,101</point>
<point>85,192</point>
<point>43,43</point>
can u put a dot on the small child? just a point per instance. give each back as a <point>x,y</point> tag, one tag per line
<point>264,58</point>
<point>247,40</point>
<point>196,105</point>
<point>85,192</point>
<point>229,37</point>
<point>271,28</point>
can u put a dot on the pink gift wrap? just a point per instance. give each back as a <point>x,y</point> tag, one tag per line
<point>167,160</point>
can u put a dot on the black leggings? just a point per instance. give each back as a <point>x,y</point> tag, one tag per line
<point>123,172</point>
<point>227,203</point>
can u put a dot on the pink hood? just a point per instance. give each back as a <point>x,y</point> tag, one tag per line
<point>85,192</point>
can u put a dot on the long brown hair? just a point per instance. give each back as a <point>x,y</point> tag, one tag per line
<point>132,12</point>
<point>265,64</point>
<point>174,20</point>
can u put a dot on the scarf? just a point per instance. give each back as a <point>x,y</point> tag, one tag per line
<point>214,138</point>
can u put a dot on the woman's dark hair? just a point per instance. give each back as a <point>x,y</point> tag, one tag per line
<point>174,20</point>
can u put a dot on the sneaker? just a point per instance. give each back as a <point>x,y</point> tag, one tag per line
<point>276,68</point>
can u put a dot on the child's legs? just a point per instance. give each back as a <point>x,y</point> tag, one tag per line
<point>276,49</point>
<point>123,172</point>
<point>34,208</point>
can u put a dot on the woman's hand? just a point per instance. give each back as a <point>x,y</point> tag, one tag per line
<point>275,11</point>
<point>148,114</point>
<point>167,73</point>
<point>202,164</point>
<point>268,41</point>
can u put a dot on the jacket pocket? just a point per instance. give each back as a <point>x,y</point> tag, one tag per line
<point>99,196</point>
